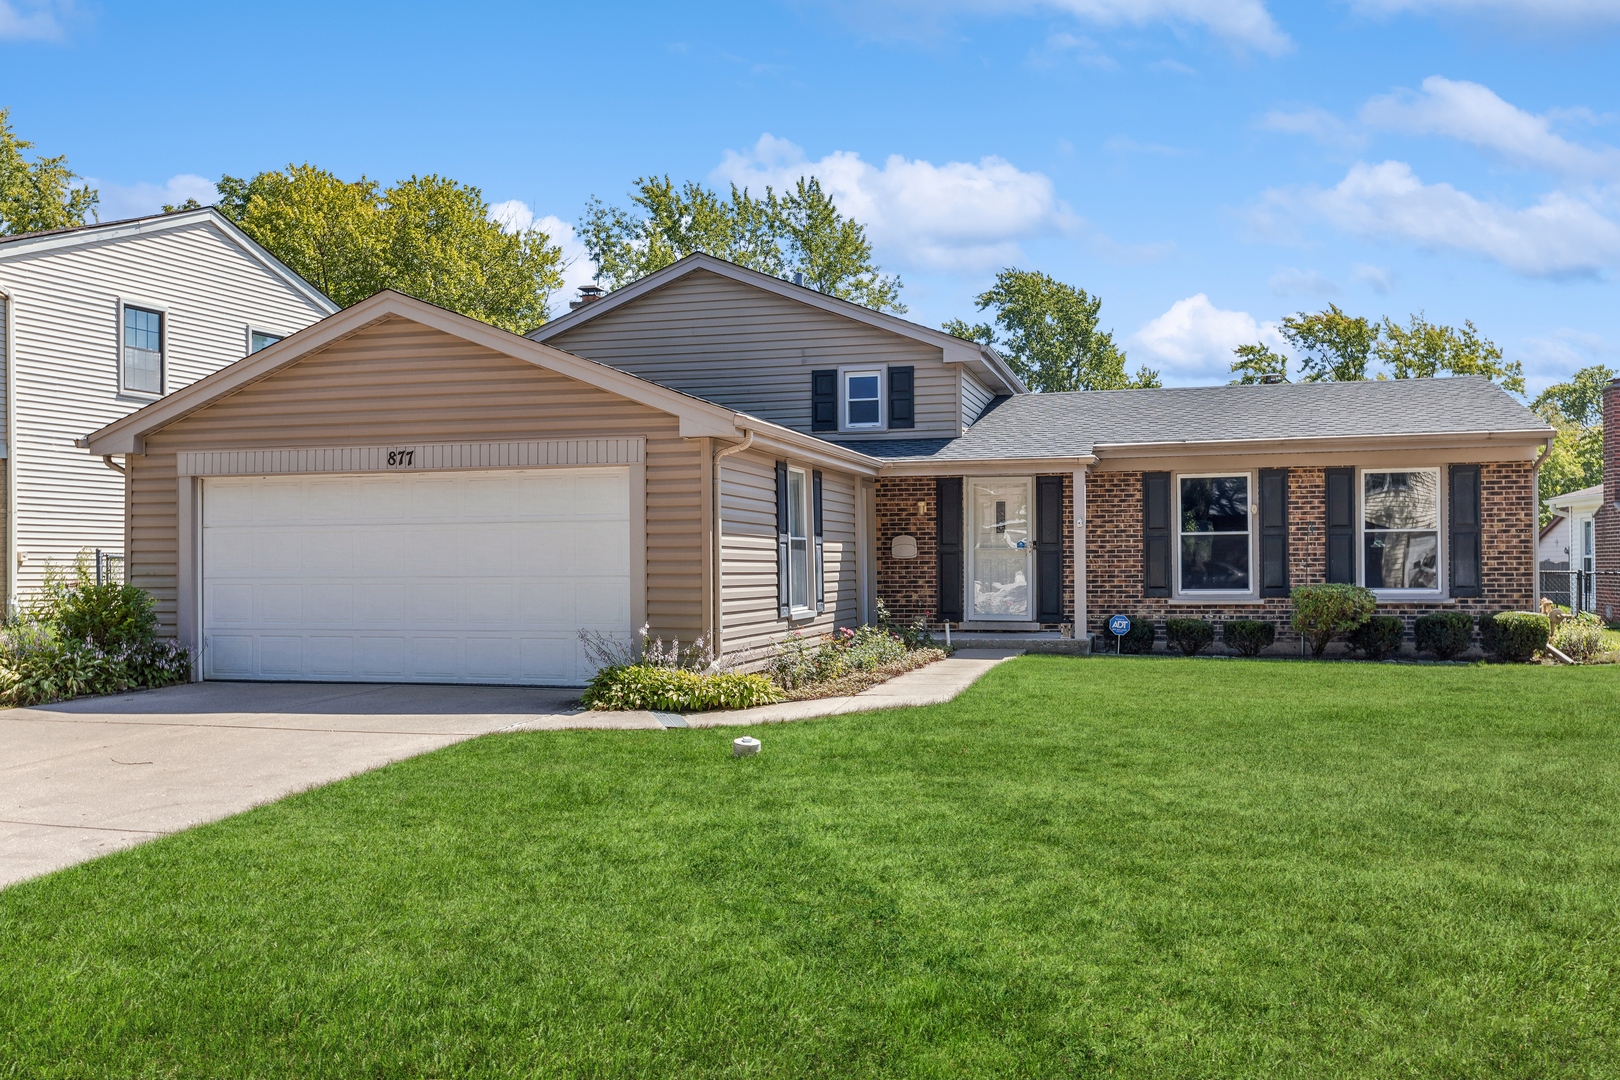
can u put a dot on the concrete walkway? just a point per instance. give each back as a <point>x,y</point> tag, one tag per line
<point>935,684</point>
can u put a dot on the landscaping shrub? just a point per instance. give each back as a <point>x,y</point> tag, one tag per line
<point>798,661</point>
<point>866,648</point>
<point>1191,636</point>
<point>1580,638</point>
<point>1249,636</point>
<point>915,636</point>
<point>1139,639</point>
<point>642,686</point>
<point>1444,634</point>
<point>1514,636</point>
<point>1323,612</point>
<point>111,616</point>
<point>1377,637</point>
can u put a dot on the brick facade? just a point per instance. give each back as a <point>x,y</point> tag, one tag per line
<point>1606,522</point>
<point>1114,550</point>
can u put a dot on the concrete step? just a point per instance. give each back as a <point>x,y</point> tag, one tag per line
<point>1040,641</point>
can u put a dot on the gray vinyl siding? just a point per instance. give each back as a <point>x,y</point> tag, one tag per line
<point>753,351</point>
<point>65,327</point>
<point>750,620</point>
<point>974,398</point>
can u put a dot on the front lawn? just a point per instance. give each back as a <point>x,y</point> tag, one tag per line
<point>1117,867</point>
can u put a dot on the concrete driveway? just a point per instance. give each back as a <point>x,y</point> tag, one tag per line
<point>82,778</point>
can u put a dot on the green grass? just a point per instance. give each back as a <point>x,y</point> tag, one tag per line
<point>1109,867</point>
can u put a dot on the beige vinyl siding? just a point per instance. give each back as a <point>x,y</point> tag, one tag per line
<point>748,555</point>
<point>65,315</point>
<point>398,381</point>
<point>753,351</point>
<point>974,398</point>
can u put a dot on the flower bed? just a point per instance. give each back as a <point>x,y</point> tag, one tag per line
<point>855,681</point>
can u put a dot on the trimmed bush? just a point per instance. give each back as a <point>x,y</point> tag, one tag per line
<point>641,686</point>
<point>1249,636</point>
<point>1377,637</point>
<point>1444,634</point>
<point>1140,638</point>
<point>1514,636</point>
<point>1191,636</point>
<point>1323,612</point>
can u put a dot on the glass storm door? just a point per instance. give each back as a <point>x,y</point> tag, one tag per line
<point>1002,569</point>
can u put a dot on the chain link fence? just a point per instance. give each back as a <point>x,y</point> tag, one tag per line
<point>109,567</point>
<point>1574,589</point>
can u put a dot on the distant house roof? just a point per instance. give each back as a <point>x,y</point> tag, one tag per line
<point>1082,423</point>
<point>1593,494</point>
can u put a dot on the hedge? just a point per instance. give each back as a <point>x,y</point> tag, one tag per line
<point>1514,636</point>
<point>1323,612</point>
<point>1444,634</point>
<point>1249,636</point>
<point>1377,637</point>
<point>642,686</point>
<point>1191,636</point>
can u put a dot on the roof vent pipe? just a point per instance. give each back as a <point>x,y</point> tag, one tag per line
<point>1272,380</point>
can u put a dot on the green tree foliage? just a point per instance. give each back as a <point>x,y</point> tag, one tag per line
<point>1578,402</point>
<point>429,237</point>
<point>1050,335</point>
<point>1575,408</point>
<point>1334,346</point>
<point>1258,364</point>
<point>1425,350</point>
<point>800,231</point>
<point>39,194</point>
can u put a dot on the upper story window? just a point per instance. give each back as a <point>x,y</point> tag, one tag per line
<point>1400,516</point>
<point>141,370</point>
<point>260,339</point>
<point>1215,543</point>
<point>863,399</point>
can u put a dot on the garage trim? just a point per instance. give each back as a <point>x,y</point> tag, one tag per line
<point>188,506</point>
<point>408,457</point>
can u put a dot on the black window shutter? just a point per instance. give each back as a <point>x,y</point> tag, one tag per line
<point>1466,548</point>
<point>902,397</point>
<point>1156,534</point>
<point>824,400</point>
<point>819,566</point>
<point>948,496</point>
<point>784,604</point>
<point>1341,526</point>
<point>1049,547</point>
<point>1273,532</point>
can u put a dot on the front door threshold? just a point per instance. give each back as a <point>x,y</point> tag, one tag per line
<point>997,626</point>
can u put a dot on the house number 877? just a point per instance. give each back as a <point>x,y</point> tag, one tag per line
<point>401,457</point>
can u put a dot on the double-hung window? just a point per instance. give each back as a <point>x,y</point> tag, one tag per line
<point>863,399</point>
<point>798,534</point>
<point>142,362</point>
<point>1400,530</point>
<point>1215,541</point>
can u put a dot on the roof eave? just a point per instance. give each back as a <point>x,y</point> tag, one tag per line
<point>1324,443</point>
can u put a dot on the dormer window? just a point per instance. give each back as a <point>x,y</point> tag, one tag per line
<point>863,399</point>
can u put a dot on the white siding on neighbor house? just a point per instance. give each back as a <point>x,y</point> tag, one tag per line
<point>753,351</point>
<point>65,326</point>
<point>748,555</point>
<point>975,398</point>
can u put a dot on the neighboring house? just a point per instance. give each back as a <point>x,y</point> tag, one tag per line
<point>1574,512</point>
<point>1606,529</point>
<point>1552,547</point>
<point>401,493</point>
<point>98,321</point>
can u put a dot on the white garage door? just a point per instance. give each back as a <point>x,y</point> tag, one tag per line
<point>483,577</point>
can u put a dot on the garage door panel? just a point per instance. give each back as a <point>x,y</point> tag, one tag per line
<point>483,577</point>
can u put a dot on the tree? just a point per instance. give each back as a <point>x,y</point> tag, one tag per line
<point>1577,403</point>
<point>1258,364</point>
<point>1575,408</point>
<point>38,195</point>
<point>1336,346</point>
<point>797,232</point>
<point>1424,350</point>
<point>429,237</point>
<point>1051,336</point>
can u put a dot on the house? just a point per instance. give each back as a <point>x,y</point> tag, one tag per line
<point>1553,545</point>
<point>1606,518</point>
<point>98,321</point>
<point>402,493</point>
<point>1573,520</point>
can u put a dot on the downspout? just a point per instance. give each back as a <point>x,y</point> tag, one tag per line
<point>107,460</point>
<point>1535,530</point>
<point>717,529</point>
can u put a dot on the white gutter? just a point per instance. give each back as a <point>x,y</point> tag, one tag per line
<point>717,530</point>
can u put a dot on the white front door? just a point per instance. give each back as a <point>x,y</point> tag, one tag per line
<point>1001,555</point>
<point>456,577</point>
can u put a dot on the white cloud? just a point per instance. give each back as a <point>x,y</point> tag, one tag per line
<point>1541,11</point>
<point>1066,47</point>
<point>1379,279</point>
<point>1193,341</point>
<point>1319,124</point>
<point>27,21</point>
<point>960,215</point>
<point>119,201</point>
<point>514,215</point>
<point>1475,114</point>
<point>1558,236</point>
<point>1290,281</point>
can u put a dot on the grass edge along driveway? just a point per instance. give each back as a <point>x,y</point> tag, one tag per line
<point>1080,867</point>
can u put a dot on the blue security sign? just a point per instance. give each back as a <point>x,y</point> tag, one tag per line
<point>1119,625</point>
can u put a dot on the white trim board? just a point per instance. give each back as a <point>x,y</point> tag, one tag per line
<point>417,457</point>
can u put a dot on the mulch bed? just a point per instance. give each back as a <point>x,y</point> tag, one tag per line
<point>856,681</point>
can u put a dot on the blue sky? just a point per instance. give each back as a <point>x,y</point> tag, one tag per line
<point>1205,166</point>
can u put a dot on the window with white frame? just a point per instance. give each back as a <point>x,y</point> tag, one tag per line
<point>798,531</point>
<point>863,399</point>
<point>142,370</point>
<point>1215,546</point>
<point>1400,529</point>
<point>259,339</point>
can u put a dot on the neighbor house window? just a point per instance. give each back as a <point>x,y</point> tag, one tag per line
<point>1214,517</point>
<point>798,521</point>
<point>258,339</point>
<point>143,351</point>
<point>863,399</point>
<point>1400,514</point>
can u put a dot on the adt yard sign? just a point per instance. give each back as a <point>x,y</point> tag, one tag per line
<point>1119,625</point>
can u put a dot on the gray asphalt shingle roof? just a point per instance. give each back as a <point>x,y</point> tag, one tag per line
<point>1073,425</point>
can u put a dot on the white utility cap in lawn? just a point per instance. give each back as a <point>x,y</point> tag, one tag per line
<point>744,747</point>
